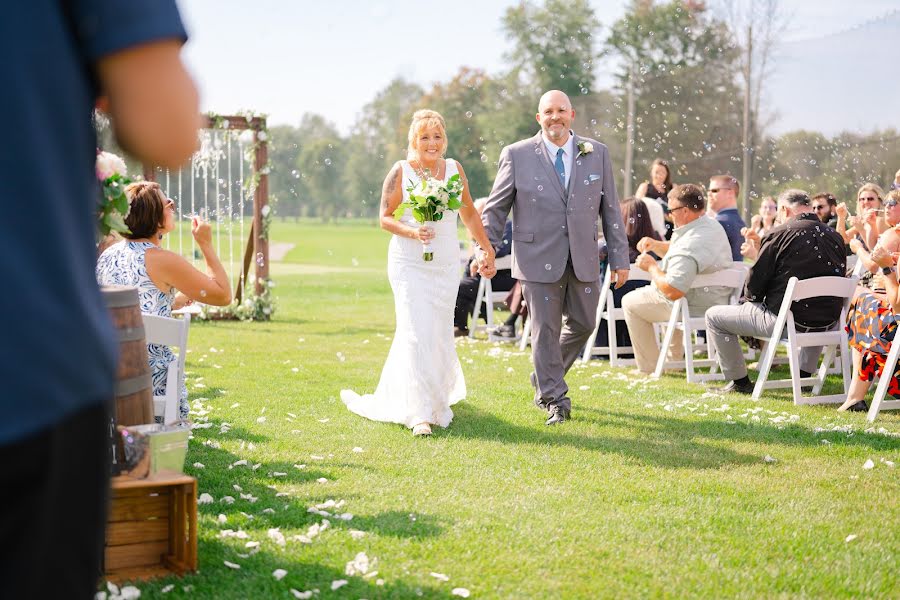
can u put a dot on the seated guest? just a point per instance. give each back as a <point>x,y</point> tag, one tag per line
<point>654,192</point>
<point>468,285</point>
<point>763,222</point>
<point>868,223</point>
<point>784,253</point>
<point>723,193</point>
<point>698,245</point>
<point>824,205</point>
<point>637,227</point>
<point>164,279</point>
<point>870,277</point>
<point>872,324</point>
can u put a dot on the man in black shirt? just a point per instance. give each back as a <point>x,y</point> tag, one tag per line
<point>802,247</point>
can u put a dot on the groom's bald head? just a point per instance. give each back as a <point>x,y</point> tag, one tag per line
<point>555,114</point>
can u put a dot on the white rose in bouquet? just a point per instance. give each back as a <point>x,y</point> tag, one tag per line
<point>108,164</point>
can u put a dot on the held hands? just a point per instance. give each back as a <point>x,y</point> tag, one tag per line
<point>201,231</point>
<point>750,249</point>
<point>644,261</point>
<point>486,266</point>
<point>882,258</point>
<point>424,234</point>
<point>646,244</point>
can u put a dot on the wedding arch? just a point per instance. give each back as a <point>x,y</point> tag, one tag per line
<point>226,182</point>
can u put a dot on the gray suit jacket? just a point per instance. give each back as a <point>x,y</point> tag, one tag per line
<point>549,222</point>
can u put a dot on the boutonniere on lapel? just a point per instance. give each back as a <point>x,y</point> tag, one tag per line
<point>584,148</point>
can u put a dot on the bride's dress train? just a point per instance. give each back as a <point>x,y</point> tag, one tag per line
<point>422,377</point>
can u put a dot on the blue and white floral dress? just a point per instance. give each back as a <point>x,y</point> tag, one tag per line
<point>123,264</point>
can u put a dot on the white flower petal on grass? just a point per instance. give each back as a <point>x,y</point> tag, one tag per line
<point>461,592</point>
<point>322,480</point>
<point>850,538</point>
<point>231,565</point>
<point>199,465</point>
<point>325,420</point>
<point>235,405</point>
<point>237,488</point>
<point>439,576</point>
<point>227,500</point>
<point>346,517</point>
<point>338,583</point>
<point>112,588</point>
<point>251,545</point>
<point>278,474</point>
<point>316,457</point>
<point>356,534</point>
<point>770,459</point>
<point>221,519</point>
<point>889,463</point>
<point>260,419</point>
<point>129,592</point>
<point>168,588</point>
<point>295,370</point>
<point>276,536</point>
<point>268,511</point>
<point>279,574</point>
<point>358,449</point>
<point>205,499</point>
<point>584,387</point>
<point>299,466</point>
<point>239,463</point>
<point>358,566</point>
<point>302,595</point>
<point>868,465</point>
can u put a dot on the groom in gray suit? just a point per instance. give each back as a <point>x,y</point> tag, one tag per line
<point>557,185</point>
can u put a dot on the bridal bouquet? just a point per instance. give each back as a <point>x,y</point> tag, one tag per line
<point>113,207</point>
<point>428,200</point>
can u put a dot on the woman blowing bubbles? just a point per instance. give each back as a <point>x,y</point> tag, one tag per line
<point>165,280</point>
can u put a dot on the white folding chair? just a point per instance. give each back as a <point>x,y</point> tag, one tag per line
<point>878,400</point>
<point>172,333</point>
<point>607,310</point>
<point>680,319</point>
<point>488,296</point>
<point>833,340</point>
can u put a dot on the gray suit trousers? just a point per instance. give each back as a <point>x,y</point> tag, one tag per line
<point>562,317</point>
<point>724,326</point>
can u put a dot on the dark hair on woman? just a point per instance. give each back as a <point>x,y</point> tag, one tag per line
<point>148,209</point>
<point>637,223</point>
<point>665,165</point>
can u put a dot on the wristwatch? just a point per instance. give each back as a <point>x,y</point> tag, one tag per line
<point>887,270</point>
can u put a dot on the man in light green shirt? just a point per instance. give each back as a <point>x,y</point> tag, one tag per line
<point>699,245</point>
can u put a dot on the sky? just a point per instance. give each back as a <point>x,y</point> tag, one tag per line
<point>289,57</point>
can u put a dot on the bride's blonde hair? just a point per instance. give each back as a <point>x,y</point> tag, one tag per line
<point>421,120</point>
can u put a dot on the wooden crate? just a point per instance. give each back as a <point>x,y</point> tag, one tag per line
<point>152,528</point>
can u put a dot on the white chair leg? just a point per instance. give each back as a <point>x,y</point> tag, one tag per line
<point>883,383</point>
<point>765,365</point>
<point>794,367</point>
<point>479,297</point>
<point>822,371</point>
<point>667,341</point>
<point>526,334</point>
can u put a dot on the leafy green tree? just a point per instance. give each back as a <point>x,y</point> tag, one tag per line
<point>683,66</point>
<point>553,44</point>
<point>377,141</point>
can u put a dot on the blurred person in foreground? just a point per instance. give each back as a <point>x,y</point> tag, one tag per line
<point>59,363</point>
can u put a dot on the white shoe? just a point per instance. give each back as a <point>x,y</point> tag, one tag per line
<point>422,429</point>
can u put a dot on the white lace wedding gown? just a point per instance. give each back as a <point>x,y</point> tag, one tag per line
<point>422,377</point>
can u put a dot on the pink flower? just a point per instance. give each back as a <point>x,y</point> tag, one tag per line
<point>108,164</point>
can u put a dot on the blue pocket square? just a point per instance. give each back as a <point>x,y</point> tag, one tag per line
<point>593,177</point>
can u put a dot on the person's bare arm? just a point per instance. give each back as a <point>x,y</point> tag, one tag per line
<point>152,101</point>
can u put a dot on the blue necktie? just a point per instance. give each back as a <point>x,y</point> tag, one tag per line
<point>561,168</point>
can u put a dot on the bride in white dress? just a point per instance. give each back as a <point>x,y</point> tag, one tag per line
<point>422,377</point>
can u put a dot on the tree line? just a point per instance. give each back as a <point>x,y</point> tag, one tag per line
<point>683,63</point>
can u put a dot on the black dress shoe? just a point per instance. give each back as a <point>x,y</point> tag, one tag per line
<point>460,332</point>
<point>557,415</point>
<point>736,388</point>
<point>860,406</point>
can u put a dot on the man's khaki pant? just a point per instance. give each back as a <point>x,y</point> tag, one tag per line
<point>642,308</point>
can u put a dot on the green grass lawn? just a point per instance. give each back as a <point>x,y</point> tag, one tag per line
<point>652,490</point>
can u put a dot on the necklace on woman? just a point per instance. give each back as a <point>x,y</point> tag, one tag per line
<point>423,173</point>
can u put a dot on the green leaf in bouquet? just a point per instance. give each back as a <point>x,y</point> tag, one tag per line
<point>453,178</point>
<point>113,221</point>
<point>454,203</point>
<point>120,203</point>
<point>398,212</point>
<point>420,214</point>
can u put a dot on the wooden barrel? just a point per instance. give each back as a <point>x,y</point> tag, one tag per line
<point>134,389</point>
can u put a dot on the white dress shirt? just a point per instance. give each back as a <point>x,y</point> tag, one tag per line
<point>568,153</point>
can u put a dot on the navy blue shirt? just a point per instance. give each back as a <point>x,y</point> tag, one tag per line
<point>731,221</point>
<point>58,354</point>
